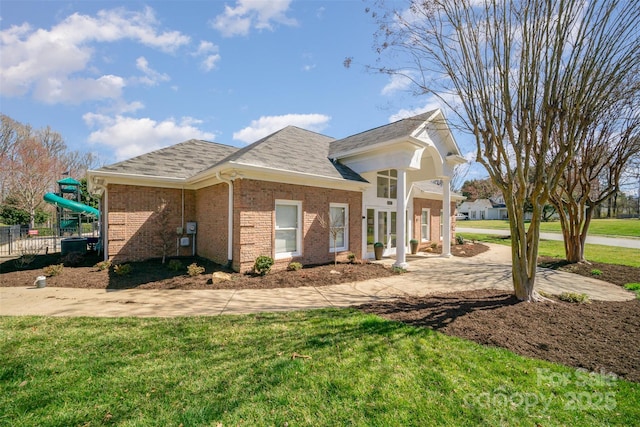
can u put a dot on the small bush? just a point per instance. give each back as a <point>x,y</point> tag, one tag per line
<point>53,270</point>
<point>103,265</point>
<point>175,265</point>
<point>72,259</point>
<point>378,245</point>
<point>351,257</point>
<point>262,265</point>
<point>398,270</point>
<point>294,266</point>
<point>596,272</point>
<point>24,261</point>
<point>459,239</point>
<point>122,269</point>
<point>195,270</point>
<point>574,297</point>
<point>434,246</point>
<point>633,287</point>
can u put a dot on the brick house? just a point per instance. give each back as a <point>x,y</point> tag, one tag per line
<point>281,195</point>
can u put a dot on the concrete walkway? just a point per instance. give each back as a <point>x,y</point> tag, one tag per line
<point>427,275</point>
<point>620,242</point>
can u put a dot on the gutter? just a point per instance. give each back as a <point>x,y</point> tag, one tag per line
<point>230,215</point>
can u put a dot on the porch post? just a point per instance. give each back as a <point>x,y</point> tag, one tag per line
<point>401,220</point>
<point>446,218</point>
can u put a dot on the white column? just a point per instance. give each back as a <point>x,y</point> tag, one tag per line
<point>401,220</point>
<point>446,218</point>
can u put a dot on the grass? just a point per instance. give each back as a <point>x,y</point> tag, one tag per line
<point>598,227</point>
<point>596,253</point>
<point>633,287</point>
<point>232,370</point>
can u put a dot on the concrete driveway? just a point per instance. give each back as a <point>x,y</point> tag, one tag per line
<point>427,275</point>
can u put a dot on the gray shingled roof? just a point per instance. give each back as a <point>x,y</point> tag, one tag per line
<point>296,150</point>
<point>182,160</point>
<point>395,130</point>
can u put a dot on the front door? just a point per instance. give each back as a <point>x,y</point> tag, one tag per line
<point>381,227</point>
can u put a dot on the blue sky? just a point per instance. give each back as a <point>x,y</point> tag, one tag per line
<point>121,78</point>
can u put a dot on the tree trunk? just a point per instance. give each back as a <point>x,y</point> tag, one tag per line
<point>524,250</point>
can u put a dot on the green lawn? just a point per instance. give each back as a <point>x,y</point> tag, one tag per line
<point>238,370</point>
<point>596,253</point>
<point>598,227</point>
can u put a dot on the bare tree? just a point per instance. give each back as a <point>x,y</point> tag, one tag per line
<point>336,227</point>
<point>516,73</point>
<point>594,173</point>
<point>162,222</point>
<point>31,176</point>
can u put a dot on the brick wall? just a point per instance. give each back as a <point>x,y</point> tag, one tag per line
<point>134,224</point>
<point>254,221</point>
<point>434,207</point>
<point>212,213</point>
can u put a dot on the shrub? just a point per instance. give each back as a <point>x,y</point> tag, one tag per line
<point>459,239</point>
<point>72,259</point>
<point>53,270</point>
<point>378,245</point>
<point>262,265</point>
<point>434,246</point>
<point>596,272</point>
<point>398,270</point>
<point>195,270</point>
<point>175,265</point>
<point>103,265</point>
<point>294,266</point>
<point>351,257</point>
<point>574,297</point>
<point>413,241</point>
<point>633,287</point>
<point>122,269</point>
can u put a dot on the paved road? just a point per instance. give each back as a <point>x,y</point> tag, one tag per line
<point>427,275</point>
<point>595,240</point>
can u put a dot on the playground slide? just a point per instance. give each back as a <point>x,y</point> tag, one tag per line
<point>56,200</point>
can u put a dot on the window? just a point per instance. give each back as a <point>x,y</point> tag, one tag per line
<point>424,225</point>
<point>288,228</point>
<point>338,227</point>
<point>388,184</point>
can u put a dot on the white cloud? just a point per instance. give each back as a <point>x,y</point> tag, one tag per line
<point>247,14</point>
<point>48,62</point>
<point>129,137</point>
<point>209,51</point>
<point>151,76</point>
<point>267,125</point>
<point>397,82</point>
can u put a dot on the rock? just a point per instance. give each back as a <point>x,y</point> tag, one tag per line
<point>428,250</point>
<point>334,272</point>
<point>220,276</point>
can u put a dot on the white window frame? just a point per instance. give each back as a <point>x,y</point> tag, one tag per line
<point>346,227</point>
<point>386,174</point>
<point>428,224</point>
<point>298,229</point>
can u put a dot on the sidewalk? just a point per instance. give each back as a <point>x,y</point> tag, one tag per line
<point>427,275</point>
<point>621,242</point>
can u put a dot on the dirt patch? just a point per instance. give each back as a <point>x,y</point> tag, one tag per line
<point>599,337</point>
<point>616,274</point>
<point>466,250</point>
<point>153,274</point>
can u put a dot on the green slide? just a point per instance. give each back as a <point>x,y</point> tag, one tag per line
<point>74,206</point>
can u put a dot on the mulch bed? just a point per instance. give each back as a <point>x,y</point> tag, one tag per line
<point>616,274</point>
<point>601,337</point>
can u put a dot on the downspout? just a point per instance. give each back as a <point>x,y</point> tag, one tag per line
<point>230,217</point>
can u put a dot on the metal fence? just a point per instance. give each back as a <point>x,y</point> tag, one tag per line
<point>18,241</point>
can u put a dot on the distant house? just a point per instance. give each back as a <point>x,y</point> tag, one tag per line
<point>279,195</point>
<point>484,209</point>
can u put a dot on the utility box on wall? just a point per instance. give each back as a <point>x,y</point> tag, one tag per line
<point>191,227</point>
